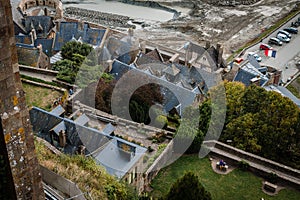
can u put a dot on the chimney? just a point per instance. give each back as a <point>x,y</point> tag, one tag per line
<point>40,48</point>
<point>46,11</point>
<point>81,149</point>
<point>62,138</point>
<point>220,54</point>
<point>277,77</point>
<point>109,62</point>
<point>143,46</point>
<point>207,45</point>
<point>57,25</point>
<point>33,35</point>
<point>130,32</point>
<point>188,53</point>
<point>174,58</point>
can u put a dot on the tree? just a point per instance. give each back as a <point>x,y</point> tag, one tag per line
<point>70,48</point>
<point>262,122</point>
<point>188,187</point>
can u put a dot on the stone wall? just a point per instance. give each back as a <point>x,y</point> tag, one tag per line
<point>17,134</point>
<point>55,4</point>
<point>258,165</point>
<point>97,17</point>
<point>231,2</point>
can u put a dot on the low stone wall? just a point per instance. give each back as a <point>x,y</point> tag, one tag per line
<point>97,17</point>
<point>260,165</point>
<point>43,85</point>
<point>231,2</point>
<point>38,70</point>
<point>165,158</point>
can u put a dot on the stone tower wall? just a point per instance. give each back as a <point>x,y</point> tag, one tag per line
<point>16,131</point>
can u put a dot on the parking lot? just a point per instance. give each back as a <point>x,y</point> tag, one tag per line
<point>287,56</point>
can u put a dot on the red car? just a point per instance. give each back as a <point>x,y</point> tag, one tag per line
<point>265,47</point>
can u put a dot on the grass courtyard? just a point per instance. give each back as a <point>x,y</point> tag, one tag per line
<point>39,96</point>
<point>235,185</point>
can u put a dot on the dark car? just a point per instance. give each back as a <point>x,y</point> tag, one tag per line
<point>275,41</point>
<point>265,47</point>
<point>291,30</point>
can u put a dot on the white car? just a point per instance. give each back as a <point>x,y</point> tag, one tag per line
<point>255,55</point>
<point>283,37</point>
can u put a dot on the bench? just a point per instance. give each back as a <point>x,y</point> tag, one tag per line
<point>270,187</point>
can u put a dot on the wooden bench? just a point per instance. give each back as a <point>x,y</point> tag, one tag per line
<point>270,186</point>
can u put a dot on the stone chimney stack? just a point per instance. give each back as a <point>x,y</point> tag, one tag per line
<point>109,62</point>
<point>130,32</point>
<point>33,35</point>
<point>40,48</point>
<point>207,45</point>
<point>220,54</point>
<point>143,46</point>
<point>62,138</point>
<point>57,25</point>
<point>20,171</point>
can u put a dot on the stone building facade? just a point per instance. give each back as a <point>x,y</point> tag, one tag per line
<point>21,178</point>
<point>50,7</point>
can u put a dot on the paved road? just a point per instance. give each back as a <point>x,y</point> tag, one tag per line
<point>286,56</point>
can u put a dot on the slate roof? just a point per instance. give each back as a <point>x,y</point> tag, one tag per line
<point>55,58</point>
<point>184,95</point>
<point>58,110</point>
<point>143,61</point>
<point>23,39</point>
<point>69,30</point>
<point>100,145</point>
<point>248,72</point>
<point>46,44</point>
<point>42,25</point>
<point>59,127</point>
<point>117,161</point>
<point>82,120</point>
<point>17,16</point>
<point>156,55</point>
<point>109,128</point>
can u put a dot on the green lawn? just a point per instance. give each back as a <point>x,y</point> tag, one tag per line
<point>235,185</point>
<point>39,96</point>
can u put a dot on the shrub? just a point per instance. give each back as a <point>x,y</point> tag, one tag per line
<point>272,178</point>
<point>243,165</point>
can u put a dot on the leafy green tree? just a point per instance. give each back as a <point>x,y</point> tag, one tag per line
<point>188,187</point>
<point>71,48</point>
<point>240,131</point>
<point>262,122</point>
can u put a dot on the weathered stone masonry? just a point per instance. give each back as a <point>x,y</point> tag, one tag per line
<point>17,145</point>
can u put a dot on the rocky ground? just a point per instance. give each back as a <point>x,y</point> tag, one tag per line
<point>229,22</point>
<point>217,21</point>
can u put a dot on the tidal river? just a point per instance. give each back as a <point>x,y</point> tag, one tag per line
<point>132,11</point>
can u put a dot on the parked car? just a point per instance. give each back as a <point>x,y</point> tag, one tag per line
<point>283,38</point>
<point>275,41</point>
<point>284,33</point>
<point>255,55</point>
<point>295,24</point>
<point>292,30</point>
<point>265,47</point>
<point>238,60</point>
